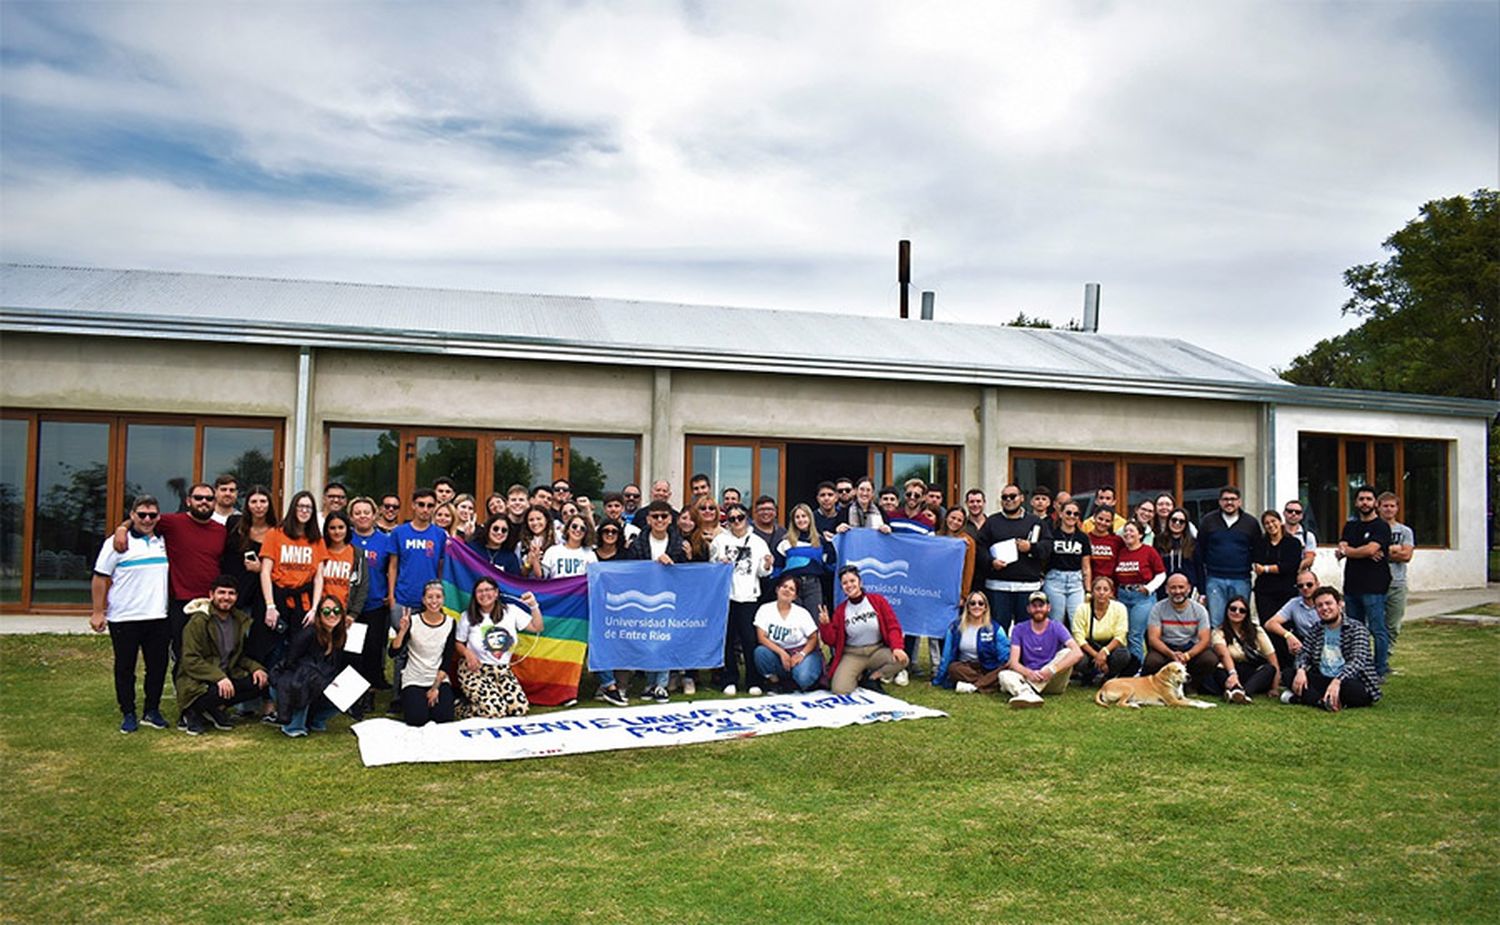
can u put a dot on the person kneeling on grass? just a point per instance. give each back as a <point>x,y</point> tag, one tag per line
<point>487,634</point>
<point>424,644</point>
<point>313,660</point>
<point>864,634</point>
<point>975,649</point>
<point>1335,669</point>
<point>1042,656</point>
<point>788,654</point>
<point>1247,660</point>
<point>214,671</point>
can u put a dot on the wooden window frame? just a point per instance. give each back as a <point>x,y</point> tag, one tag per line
<point>1121,463</point>
<point>1399,488</point>
<point>115,454</point>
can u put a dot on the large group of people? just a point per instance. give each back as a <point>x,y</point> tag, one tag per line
<point>251,608</point>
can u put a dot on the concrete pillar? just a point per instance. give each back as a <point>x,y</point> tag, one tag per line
<point>992,455</point>
<point>659,451</point>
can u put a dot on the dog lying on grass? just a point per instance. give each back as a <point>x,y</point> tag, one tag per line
<point>1163,689</point>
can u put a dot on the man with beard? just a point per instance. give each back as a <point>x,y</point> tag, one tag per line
<point>1334,670</point>
<point>1364,546</point>
<point>195,546</point>
<point>1011,545</point>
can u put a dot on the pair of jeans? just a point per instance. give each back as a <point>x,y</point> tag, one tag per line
<point>1369,609</point>
<point>611,679</point>
<point>1395,610</point>
<point>1219,591</point>
<point>804,674</point>
<point>1008,607</point>
<point>315,719</point>
<point>1138,604</point>
<point>1065,594</point>
<point>149,638</point>
<point>934,651</point>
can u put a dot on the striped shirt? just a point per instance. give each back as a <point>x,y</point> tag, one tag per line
<point>1179,628</point>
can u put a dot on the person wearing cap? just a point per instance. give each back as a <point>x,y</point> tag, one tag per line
<point>1042,656</point>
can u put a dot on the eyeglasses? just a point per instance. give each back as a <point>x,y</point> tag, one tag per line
<point>391,507</point>
<point>844,490</point>
<point>1070,513</point>
<point>659,516</point>
<point>1010,496</point>
<point>631,495</point>
<point>330,612</point>
<point>1238,610</point>
<point>560,488</point>
<point>1292,510</point>
<point>1177,520</point>
<point>976,603</point>
<point>609,531</point>
<point>423,504</point>
<point>578,527</point>
<point>914,494</point>
<point>148,515</point>
<point>737,519</point>
<point>202,497</point>
<point>304,507</point>
<point>1307,584</point>
<point>708,510</point>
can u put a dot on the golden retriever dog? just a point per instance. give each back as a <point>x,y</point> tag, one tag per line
<point>1163,689</point>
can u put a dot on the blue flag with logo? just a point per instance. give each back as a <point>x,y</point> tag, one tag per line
<point>918,575</point>
<point>645,616</point>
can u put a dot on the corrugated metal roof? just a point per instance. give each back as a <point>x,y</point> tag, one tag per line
<point>203,306</point>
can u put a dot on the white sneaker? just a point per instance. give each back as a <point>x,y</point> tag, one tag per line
<point>1286,696</point>
<point>755,691</point>
<point>1026,699</point>
<point>689,686</point>
<point>901,679</point>
<point>964,687</point>
<point>730,690</point>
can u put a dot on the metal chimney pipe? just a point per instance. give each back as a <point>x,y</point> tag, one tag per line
<point>928,297</point>
<point>1091,308</point>
<point>903,273</point>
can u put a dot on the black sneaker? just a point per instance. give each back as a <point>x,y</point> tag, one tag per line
<point>614,696</point>
<point>659,694</point>
<point>219,718</point>
<point>873,684</point>
<point>270,719</point>
<point>128,724</point>
<point>192,724</point>
<point>154,719</point>
<point>181,720</point>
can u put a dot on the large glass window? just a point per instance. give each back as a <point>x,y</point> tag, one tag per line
<point>365,459</point>
<point>600,464</point>
<point>247,453</point>
<point>770,474</point>
<point>931,468</point>
<point>726,467</point>
<point>450,457</point>
<point>519,461</point>
<point>72,491</point>
<point>1331,467</point>
<point>14,436</point>
<point>159,461</point>
<point>1194,482</point>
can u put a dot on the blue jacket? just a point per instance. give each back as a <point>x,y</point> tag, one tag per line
<point>994,650</point>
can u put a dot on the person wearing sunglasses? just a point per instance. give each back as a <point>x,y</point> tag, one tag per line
<point>572,557</point>
<point>744,550</point>
<point>375,546</point>
<point>417,548</point>
<point>660,542</point>
<point>195,551</point>
<point>388,514</point>
<point>1178,548</point>
<point>1013,545</point>
<point>610,541</point>
<point>1292,625</point>
<point>975,650</point>
<point>130,600</point>
<point>1069,565</point>
<point>313,660</point>
<point>1247,661</point>
<point>1295,514</point>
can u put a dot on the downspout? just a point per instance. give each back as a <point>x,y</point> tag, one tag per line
<point>1270,456</point>
<point>303,419</point>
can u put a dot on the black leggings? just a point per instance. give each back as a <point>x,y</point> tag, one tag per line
<point>371,661</point>
<point>415,710</point>
<point>1121,664</point>
<point>1255,678</point>
<point>149,638</point>
<point>739,634</point>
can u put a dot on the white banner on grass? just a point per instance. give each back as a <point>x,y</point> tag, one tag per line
<point>565,732</point>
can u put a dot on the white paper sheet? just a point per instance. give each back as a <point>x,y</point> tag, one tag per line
<point>1005,551</point>
<point>356,640</point>
<point>348,687</point>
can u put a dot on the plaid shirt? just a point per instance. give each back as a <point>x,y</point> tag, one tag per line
<point>1354,642</point>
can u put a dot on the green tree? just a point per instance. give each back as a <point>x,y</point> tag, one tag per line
<point>1023,320</point>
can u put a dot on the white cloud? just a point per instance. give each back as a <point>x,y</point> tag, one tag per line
<point>1216,166</point>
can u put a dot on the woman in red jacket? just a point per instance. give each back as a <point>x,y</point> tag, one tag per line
<point>864,634</point>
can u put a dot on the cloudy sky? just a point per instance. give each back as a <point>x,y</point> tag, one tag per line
<point>1216,166</point>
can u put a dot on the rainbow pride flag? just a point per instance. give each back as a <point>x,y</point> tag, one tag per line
<point>548,664</point>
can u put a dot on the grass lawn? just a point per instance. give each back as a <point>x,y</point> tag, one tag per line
<point>1484,610</point>
<point>1263,813</point>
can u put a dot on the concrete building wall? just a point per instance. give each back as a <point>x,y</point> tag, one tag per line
<point>1130,424</point>
<point>1465,563</point>
<point>127,375</point>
